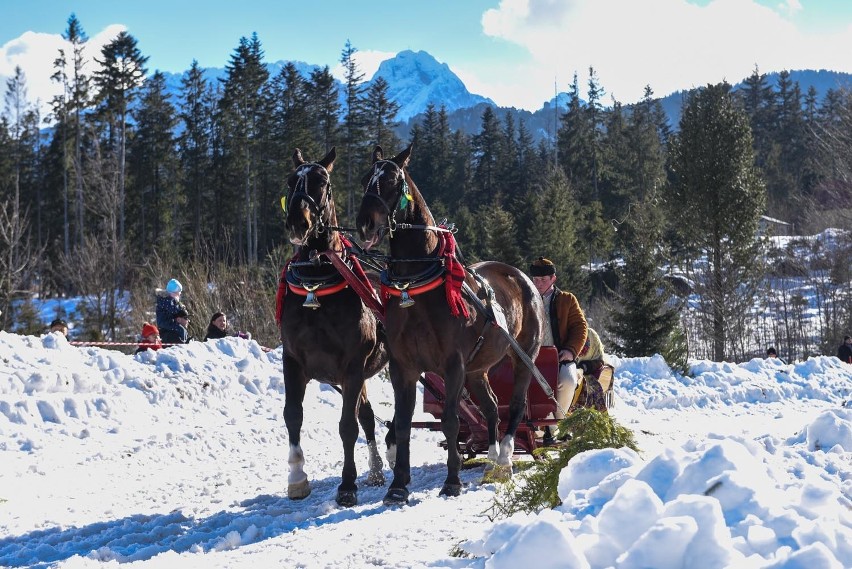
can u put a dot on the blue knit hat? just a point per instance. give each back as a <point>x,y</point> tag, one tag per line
<point>174,286</point>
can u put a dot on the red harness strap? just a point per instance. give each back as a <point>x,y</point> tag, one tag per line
<point>389,291</point>
<point>356,277</point>
<point>455,275</point>
<point>282,291</point>
<point>320,291</point>
<point>453,278</point>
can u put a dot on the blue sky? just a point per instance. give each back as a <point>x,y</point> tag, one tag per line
<point>513,51</point>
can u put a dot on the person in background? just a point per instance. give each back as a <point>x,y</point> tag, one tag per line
<point>59,325</point>
<point>150,338</point>
<point>566,329</point>
<point>772,354</point>
<point>218,328</point>
<point>172,317</point>
<point>844,352</point>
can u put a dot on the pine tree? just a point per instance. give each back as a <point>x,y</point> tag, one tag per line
<point>574,144</point>
<point>552,231</point>
<point>243,109</point>
<point>68,109</point>
<point>488,150</point>
<point>499,234</point>
<point>324,107</point>
<point>643,321</point>
<point>617,186</point>
<point>758,101</point>
<point>195,144</point>
<point>354,125</point>
<point>158,200</point>
<point>434,163</point>
<point>122,72</point>
<point>380,115</point>
<point>715,201</point>
<point>594,110</point>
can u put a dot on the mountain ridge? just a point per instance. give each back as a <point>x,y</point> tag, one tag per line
<point>416,80</point>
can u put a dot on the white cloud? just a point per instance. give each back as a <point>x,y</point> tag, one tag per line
<point>669,44</point>
<point>35,53</point>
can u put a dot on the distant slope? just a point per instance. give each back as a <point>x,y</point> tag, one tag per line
<point>416,80</point>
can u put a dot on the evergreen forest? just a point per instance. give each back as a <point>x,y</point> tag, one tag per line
<point>660,230</point>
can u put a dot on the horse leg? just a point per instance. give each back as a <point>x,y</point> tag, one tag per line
<point>453,384</point>
<point>481,389</point>
<point>367,419</point>
<point>404,383</point>
<point>347,492</point>
<point>522,376</point>
<point>298,486</point>
<point>390,442</point>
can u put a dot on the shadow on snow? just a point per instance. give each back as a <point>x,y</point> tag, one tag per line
<point>141,537</point>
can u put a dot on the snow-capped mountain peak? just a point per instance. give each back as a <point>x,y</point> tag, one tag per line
<point>416,79</point>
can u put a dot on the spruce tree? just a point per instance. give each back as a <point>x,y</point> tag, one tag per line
<point>499,234</point>
<point>380,116</point>
<point>324,107</point>
<point>433,165</point>
<point>68,109</point>
<point>487,146</point>
<point>195,145</point>
<point>715,201</point>
<point>353,127</point>
<point>243,109</point>
<point>156,200</point>
<point>643,321</point>
<point>122,71</point>
<point>575,154</point>
<point>552,231</point>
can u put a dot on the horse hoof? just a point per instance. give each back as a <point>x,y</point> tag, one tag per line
<point>376,478</point>
<point>396,497</point>
<point>299,491</point>
<point>451,490</point>
<point>347,498</point>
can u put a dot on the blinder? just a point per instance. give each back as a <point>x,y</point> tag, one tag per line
<point>401,196</point>
<point>300,191</point>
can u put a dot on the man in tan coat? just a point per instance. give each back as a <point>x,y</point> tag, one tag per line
<point>566,329</point>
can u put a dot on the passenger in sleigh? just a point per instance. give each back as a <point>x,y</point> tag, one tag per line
<point>592,392</point>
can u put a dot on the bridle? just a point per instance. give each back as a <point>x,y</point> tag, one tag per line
<point>300,191</point>
<point>401,195</point>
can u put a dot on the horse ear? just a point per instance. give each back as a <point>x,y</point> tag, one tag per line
<point>297,158</point>
<point>328,161</point>
<point>403,157</point>
<point>378,154</point>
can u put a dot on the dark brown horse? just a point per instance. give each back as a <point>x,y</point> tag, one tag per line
<point>327,332</point>
<point>442,331</point>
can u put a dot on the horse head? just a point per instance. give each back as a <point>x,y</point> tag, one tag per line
<point>310,204</point>
<point>385,194</point>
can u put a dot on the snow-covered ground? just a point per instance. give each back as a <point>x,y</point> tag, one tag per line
<point>178,458</point>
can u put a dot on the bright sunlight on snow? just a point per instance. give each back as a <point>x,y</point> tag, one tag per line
<point>178,458</point>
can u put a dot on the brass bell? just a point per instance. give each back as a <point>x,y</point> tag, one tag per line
<point>311,301</point>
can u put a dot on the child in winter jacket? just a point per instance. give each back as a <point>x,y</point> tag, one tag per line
<point>172,317</point>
